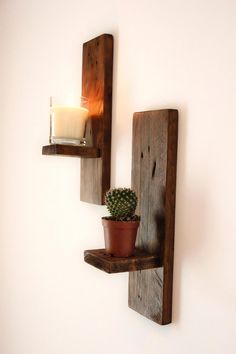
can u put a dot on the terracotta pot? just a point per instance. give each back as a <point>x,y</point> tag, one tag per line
<point>120,237</point>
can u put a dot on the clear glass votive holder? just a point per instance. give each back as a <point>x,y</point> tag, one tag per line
<point>67,122</point>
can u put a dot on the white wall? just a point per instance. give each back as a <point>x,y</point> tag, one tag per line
<point>177,54</point>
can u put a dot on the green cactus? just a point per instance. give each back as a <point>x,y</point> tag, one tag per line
<point>121,203</point>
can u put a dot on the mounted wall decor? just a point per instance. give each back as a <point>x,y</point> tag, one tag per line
<point>154,165</point>
<point>97,88</point>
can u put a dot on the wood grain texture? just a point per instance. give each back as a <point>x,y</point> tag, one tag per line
<point>69,150</point>
<point>103,261</point>
<point>97,87</point>
<point>154,163</point>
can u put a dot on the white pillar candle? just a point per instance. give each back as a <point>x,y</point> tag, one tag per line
<point>68,123</point>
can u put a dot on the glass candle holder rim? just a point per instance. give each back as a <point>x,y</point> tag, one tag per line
<point>60,101</point>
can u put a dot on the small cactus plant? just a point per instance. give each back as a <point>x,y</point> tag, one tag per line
<point>121,203</point>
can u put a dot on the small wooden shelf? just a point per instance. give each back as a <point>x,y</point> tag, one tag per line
<point>109,264</point>
<point>70,150</point>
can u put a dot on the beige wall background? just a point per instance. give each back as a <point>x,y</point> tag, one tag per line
<point>168,54</point>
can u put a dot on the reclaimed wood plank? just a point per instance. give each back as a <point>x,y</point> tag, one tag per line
<point>154,180</point>
<point>97,87</point>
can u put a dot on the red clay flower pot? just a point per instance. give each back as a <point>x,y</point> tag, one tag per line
<point>120,237</point>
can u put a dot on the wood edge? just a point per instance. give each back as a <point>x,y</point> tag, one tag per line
<point>47,150</point>
<point>168,256</point>
<point>146,316</point>
<point>99,264</point>
<point>156,110</point>
<point>107,118</point>
<point>76,151</point>
<point>161,322</point>
<point>110,266</point>
<point>104,35</point>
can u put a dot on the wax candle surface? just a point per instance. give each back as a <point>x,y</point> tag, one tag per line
<point>68,122</point>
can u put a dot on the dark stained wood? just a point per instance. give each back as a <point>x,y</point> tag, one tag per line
<point>69,150</point>
<point>154,163</point>
<point>109,264</point>
<point>97,87</point>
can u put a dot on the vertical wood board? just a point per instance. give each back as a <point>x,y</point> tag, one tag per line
<point>154,180</point>
<point>97,87</point>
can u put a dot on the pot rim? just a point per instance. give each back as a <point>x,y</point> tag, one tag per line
<point>120,224</point>
<point>106,218</point>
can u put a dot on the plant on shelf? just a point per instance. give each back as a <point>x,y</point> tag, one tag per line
<point>120,228</point>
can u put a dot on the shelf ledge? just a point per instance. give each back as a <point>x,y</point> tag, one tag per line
<point>109,264</point>
<point>70,150</point>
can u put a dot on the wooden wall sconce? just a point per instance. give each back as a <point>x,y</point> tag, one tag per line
<point>97,87</point>
<point>154,164</point>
